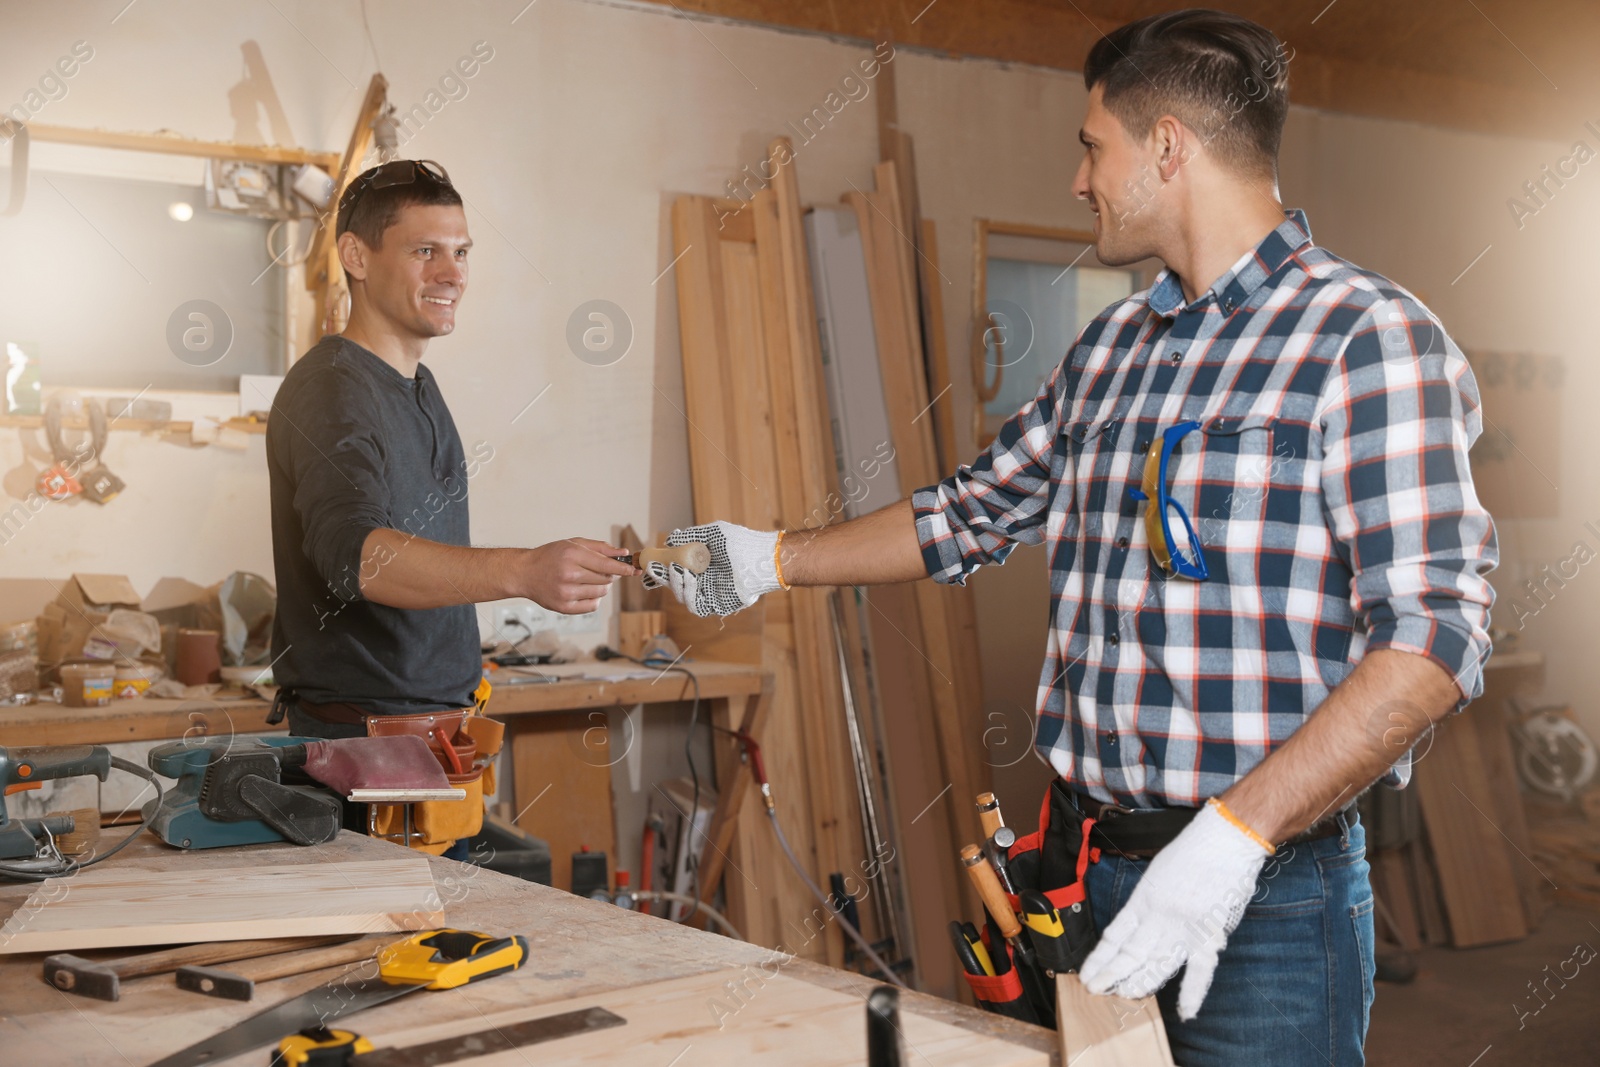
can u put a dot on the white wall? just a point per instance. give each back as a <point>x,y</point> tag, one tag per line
<point>571,143</point>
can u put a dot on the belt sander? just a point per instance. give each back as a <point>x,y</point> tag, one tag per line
<point>246,791</point>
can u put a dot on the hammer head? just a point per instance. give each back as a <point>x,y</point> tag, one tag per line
<point>74,974</point>
<point>216,982</point>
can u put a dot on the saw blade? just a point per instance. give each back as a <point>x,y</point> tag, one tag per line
<point>498,1039</point>
<point>320,1007</point>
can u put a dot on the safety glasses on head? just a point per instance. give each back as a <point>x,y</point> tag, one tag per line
<point>1186,557</point>
<point>394,172</point>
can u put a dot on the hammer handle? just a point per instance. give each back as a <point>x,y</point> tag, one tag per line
<point>211,952</point>
<point>284,964</point>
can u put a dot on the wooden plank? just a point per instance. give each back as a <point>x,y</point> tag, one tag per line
<point>760,1016</point>
<point>806,464</point>
<point>904,393</point>
<point>324,276</point>
<point>1463,815</point>
<point>107,907</point>
<point>561,774</point>
<point>735,466</point>
<point>1108,1031</point>
<point>939,384</point>
<point>172,144</point>
<point>1489,715</point>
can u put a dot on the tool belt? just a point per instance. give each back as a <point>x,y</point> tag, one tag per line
<point>1140,834</point>
<point>465,745</point>
<point>1054,860</point>
<point>464,742</point>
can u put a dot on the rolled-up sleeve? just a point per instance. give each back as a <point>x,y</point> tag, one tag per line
<point>978,514</point>
<point>335,457</point>
<point>1398,414</point>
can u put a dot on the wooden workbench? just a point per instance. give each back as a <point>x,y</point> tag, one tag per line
<point>150,719</point>
<point>578,948</point>
<point>736,697</point>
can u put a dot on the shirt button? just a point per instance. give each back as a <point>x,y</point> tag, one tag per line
<point>1141,445</point>
<point>1111,740</point>
<point>1113,639</point>
<point>1176,357</point>
<point>1122,542</point>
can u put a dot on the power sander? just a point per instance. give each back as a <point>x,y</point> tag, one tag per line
<point>28,847</point>
<point>234,792</point>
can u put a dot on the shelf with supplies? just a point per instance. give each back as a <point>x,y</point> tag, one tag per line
<point>172,426</point>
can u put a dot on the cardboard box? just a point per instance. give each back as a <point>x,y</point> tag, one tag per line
<point>83,605</point>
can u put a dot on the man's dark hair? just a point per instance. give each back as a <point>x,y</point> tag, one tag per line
<point>376,208</point>
<point>1221,75</point>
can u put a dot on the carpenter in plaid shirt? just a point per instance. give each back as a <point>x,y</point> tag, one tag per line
<point>1286,435</point>
<point>1328,484</point>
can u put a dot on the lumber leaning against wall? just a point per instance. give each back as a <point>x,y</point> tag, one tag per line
<point>757,459</point>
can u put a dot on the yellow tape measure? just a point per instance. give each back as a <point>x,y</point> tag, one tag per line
<point>319,1047</point>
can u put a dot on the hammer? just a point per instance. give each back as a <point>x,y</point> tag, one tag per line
<point>240,983</point>
<point>102,979</point>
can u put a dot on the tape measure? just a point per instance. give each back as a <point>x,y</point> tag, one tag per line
<point>319,1047</point>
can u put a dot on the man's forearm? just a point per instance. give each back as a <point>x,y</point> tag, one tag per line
<point>875,549</point>
<point>409,572</point>
<point>1369,720</point>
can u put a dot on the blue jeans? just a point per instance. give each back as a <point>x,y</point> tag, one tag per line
<point>1294,983</point>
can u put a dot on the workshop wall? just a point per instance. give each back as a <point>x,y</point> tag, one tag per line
<point>581,123</point>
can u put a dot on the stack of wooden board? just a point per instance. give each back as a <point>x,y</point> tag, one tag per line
<point>1478,859</point>
<point>761,456</point>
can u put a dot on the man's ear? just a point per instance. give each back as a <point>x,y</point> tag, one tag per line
<point>353,256</point>
<point>1170,139</point>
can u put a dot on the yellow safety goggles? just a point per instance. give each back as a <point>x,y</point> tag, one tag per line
<point>1187,559</point>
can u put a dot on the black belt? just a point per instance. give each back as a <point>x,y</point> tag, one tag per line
<point>1141,833</point>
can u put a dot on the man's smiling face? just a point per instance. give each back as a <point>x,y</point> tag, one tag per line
<point>1119,179</point>
<point>417,276</point>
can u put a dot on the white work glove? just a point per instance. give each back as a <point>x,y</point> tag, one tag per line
<point>1190,899</point>
<point>742,568</point>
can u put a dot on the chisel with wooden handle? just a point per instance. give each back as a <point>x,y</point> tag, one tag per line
<point>102,979</point>
<point>240,982</point>
<point>994,900</point>
<point>694,557</point>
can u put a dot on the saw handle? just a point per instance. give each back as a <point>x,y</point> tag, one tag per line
<point>23,766</point>
<point>694,557</point>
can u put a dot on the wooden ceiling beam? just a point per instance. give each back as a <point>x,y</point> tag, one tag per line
<point>1058,37</point>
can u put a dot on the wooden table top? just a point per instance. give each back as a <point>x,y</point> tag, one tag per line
<point>152,719</point>
<point>578,948</point>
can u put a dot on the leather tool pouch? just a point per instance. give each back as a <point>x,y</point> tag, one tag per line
<point>461,741</point>
<point>1055,860</point>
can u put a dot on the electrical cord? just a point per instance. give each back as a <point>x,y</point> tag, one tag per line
<point>648,895</point>
<point>72,866</point>
<point>604,653</point>
<point>849,928</point>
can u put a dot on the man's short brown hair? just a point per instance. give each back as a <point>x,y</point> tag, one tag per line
<point>376,209</point>
<point>1221,75</point>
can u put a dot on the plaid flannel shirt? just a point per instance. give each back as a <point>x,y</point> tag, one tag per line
<point>1328,484</point>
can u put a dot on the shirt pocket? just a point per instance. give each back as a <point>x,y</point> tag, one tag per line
<point>1230,479</point>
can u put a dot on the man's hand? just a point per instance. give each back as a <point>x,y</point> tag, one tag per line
<point>572,575</point>
<point>743,567</point>
<point>1190,899</point>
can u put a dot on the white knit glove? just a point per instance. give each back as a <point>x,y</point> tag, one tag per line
<point>743,567</point>
<point>1190,899</point>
